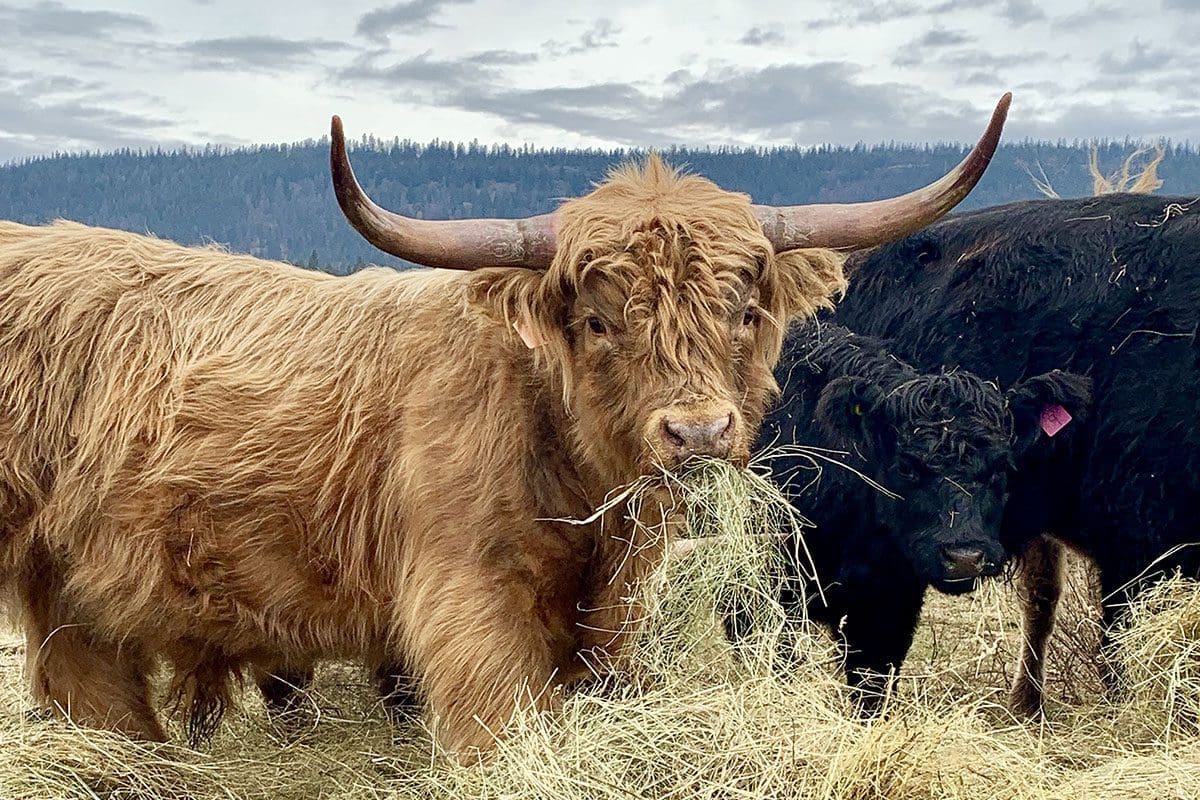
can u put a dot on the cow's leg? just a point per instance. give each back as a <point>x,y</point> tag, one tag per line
<point>283,686</point>
<point>397,688</point>
<point>76,673</point>
<point>1116,598</point>
<point>1122,575</point>
<point>481,649</point>
<point>880,619</point>
<point>1040,588</point>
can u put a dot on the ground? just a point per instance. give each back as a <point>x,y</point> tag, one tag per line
<point>346,748</point>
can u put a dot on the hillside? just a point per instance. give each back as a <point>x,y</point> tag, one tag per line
<point>275,201</point>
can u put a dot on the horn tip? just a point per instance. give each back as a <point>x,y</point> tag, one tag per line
<point>335,127</point>
<point>1003,105</point>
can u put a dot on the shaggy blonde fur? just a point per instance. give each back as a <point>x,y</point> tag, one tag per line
<point>227,463</point>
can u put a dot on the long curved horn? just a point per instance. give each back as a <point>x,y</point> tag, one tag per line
<point>854,226</point>
<point>452,244</point>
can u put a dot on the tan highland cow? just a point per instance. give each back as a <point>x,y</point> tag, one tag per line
<point>228,464</point>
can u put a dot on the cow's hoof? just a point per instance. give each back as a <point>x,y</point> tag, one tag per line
<point>1025,700</point>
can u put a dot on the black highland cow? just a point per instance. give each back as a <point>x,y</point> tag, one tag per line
<point>941,445</point>
<point>1106,287</point>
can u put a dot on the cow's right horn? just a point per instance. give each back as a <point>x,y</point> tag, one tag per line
<point>854,226</point>
<point>452,244</point>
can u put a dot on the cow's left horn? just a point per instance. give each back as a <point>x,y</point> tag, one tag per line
<point>452,244</point>
<point>854,226</point>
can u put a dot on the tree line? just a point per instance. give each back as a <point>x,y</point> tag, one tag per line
<point>275,201</point>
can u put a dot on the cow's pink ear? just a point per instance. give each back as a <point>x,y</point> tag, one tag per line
<point>529,334</point>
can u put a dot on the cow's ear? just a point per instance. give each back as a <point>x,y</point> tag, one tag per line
<point>1046,406</point>
<point>518,298</point>
<point>852,410</point>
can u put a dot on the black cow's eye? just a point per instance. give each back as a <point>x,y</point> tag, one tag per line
<point>596,326</point>
<point>749,315</point>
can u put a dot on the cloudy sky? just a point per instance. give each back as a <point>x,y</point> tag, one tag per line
<point>78,74</point>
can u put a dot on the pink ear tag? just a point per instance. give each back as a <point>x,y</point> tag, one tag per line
<point>529,336</point>
<point>1054,419</point>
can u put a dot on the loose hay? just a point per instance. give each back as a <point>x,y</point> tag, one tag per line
<point>694,718</point>
<point>1158,660</point>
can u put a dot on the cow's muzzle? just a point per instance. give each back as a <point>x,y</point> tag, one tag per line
<point>968,563</point>
<point>708,429</point>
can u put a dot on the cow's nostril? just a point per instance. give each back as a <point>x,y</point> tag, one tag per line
<point>990,568</point>
<point>674,433</point>
<point>723,427</point>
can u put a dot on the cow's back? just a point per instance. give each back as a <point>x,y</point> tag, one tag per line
<point>179,391</point>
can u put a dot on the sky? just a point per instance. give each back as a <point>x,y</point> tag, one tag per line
<point>102,74</point>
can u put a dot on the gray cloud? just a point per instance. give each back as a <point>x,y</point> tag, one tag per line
<point>1092,120</point>
<point>406,18</point>
<point>813,102</point>
<point>975,59</point>
<point>1142,58</point>
<point>495,58</point>
<point>871,12</point>
<point>866,12</point>
<point>418,74</point>
<point>1094,15</point>
<point>55,20</point>
<point>256,53</point>
<point>919,50</point>
<point>30,126</point>
<point>86,75</point>
<point>941,37</point>
<point>758,36</point>
<point>43,111</point>
<point>602,33</point>
<point>981,78</point>
<point>966,59</point>
<point>1021,12</point>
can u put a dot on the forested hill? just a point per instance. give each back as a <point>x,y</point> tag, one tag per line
<point>276,201</point>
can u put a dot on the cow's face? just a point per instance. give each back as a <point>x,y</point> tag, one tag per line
<point>663,313</point>
<point>946,443</point>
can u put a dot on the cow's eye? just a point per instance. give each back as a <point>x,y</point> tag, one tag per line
<point>749,315</point>
<point>596,326</point>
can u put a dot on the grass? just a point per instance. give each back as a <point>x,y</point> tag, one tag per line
<point>694,719</point>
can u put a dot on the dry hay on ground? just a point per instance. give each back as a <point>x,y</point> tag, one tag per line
<point>699,724</point>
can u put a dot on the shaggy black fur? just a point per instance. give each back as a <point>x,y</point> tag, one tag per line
<point>943,444</point>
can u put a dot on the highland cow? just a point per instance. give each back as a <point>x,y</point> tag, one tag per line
<point>226,463</point>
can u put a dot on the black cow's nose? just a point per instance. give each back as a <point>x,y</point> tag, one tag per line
<point>962,563</point>
<point>706,436</point>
